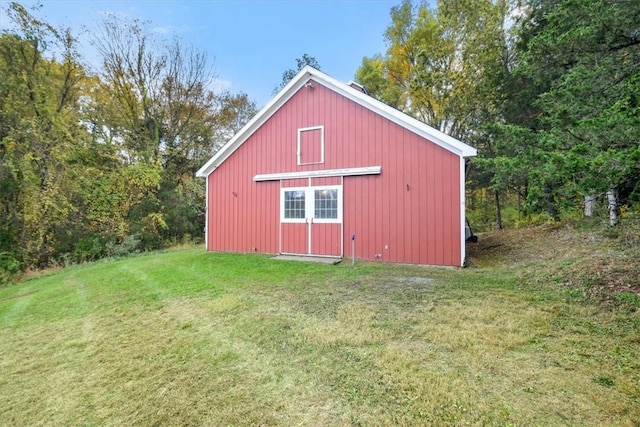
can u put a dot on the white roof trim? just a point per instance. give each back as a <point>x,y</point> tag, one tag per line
<point>369,170</point>
<point>307,73</point>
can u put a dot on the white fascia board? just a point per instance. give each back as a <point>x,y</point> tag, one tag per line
<point>369,170</point>
<point>207,168</point>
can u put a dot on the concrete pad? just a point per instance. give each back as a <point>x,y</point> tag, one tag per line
<point>317,259</point>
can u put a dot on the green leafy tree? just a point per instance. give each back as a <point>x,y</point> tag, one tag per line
<point>162,115</point>
<point>577,76</point>
<point>373,75</point>
<point>100,165</point>
<point>438,62</point>
<point>39,127</point>
<point>592,108</point>
<point>290,73</point>
<point>232,112</point>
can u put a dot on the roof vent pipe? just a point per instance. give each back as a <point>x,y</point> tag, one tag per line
<point>358,86</point>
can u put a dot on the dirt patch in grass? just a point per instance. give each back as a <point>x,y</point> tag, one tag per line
<point>21,295</point>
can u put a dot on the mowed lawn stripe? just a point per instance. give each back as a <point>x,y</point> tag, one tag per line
<point>194,338</point>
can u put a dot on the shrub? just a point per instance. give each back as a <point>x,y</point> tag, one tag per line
<point>10,268</point>
<point>129,244</point>
<point>89,248</point>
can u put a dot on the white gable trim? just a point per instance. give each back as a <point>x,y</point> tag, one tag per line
<point>370,170</point>
<point>308,73</point>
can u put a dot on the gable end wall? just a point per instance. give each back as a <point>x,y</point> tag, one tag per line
<point>409,213</point>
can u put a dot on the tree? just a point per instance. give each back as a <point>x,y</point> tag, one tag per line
<point>437,62</point>
<point>374,76</point>
<point>547,90</point>
<point>39,128</point>
<point>232,112</point>
<point>582,59</point>
<point>290,73</point>
<point>101,165</point>
<point>593,107</point>
<point>162,115</point>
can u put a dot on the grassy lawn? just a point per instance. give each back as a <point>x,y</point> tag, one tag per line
<point>193,338</point>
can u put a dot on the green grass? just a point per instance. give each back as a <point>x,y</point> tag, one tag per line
<point>193,338</point>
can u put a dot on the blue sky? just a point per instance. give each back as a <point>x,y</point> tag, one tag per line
<point>250,42</point>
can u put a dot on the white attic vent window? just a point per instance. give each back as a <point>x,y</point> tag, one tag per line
<point>311,145</point>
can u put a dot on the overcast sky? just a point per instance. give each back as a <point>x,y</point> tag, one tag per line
<point>251,43</point>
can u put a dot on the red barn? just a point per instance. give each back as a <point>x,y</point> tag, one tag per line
<point>323,162</point>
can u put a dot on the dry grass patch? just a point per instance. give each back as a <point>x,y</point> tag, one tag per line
<point>354,325</point>
<point>591,260</point>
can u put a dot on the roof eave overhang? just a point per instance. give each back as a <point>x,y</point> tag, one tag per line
<point>432,134</point>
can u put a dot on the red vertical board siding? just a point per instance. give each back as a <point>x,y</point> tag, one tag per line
<point>391,146</point>
<point>295,238</point>
<point>417,212</point>
<point>310,142</point>
<point>290,183</point>
<point>419,225</point>
<point>325,239</point>
<point>443,204</point>
<point>404,213</point>
<point>423,219</point>
<point>376,192</point>
<point>329,180</point>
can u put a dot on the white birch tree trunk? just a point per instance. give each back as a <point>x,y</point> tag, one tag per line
<point>612,198</point>
<point>590,205</point>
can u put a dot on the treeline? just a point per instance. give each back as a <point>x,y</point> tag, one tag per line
<point>102,162</point>
<point>547,90</point>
